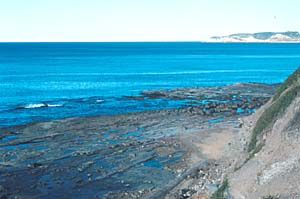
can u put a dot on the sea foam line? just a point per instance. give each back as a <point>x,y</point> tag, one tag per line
<point>40,105</point>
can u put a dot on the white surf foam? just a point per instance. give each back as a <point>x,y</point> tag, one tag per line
<point>35,105</point>
<point>40,105</point>
<point>54,105</point>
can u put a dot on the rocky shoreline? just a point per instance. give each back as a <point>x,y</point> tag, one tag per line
<point>134,155</point>
<point>228,100</point>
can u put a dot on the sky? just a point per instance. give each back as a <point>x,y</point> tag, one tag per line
<point>142,20</point>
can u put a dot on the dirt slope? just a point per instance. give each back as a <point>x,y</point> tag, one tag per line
<point>270,163</point>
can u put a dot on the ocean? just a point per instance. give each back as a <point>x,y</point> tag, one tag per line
<point>44,81</point>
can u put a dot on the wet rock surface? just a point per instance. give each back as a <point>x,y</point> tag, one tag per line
<point>121,156</point>
<point>238,90</point>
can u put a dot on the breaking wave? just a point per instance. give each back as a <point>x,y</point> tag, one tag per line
<point>41,105</point>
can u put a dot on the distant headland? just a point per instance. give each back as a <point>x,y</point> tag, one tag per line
<point>289,36</point>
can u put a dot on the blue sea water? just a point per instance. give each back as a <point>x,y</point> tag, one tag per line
<point>43,81</point>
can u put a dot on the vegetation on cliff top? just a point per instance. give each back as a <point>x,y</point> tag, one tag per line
<point>281,100</point>
<point>292,79</point>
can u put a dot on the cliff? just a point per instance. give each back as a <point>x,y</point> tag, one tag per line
<point>271,164</point>
<point>290,36</point>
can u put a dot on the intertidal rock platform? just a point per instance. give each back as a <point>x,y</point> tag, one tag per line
<point>135,155</point>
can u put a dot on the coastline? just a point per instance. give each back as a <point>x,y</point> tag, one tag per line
<point>263,42</point>
<point>130,155</point>
<point>145,100</point>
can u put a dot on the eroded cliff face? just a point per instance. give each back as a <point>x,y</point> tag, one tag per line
<point>271,166</point>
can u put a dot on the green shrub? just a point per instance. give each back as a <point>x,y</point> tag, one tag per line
<point>293,78</point>
<point>220,193</point>
<point>271,113</point>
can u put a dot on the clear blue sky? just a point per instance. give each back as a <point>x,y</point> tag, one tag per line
<point>142,20</point>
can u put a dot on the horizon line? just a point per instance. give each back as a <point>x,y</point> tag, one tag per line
<point>102,41</point>
<point>171,41</point>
